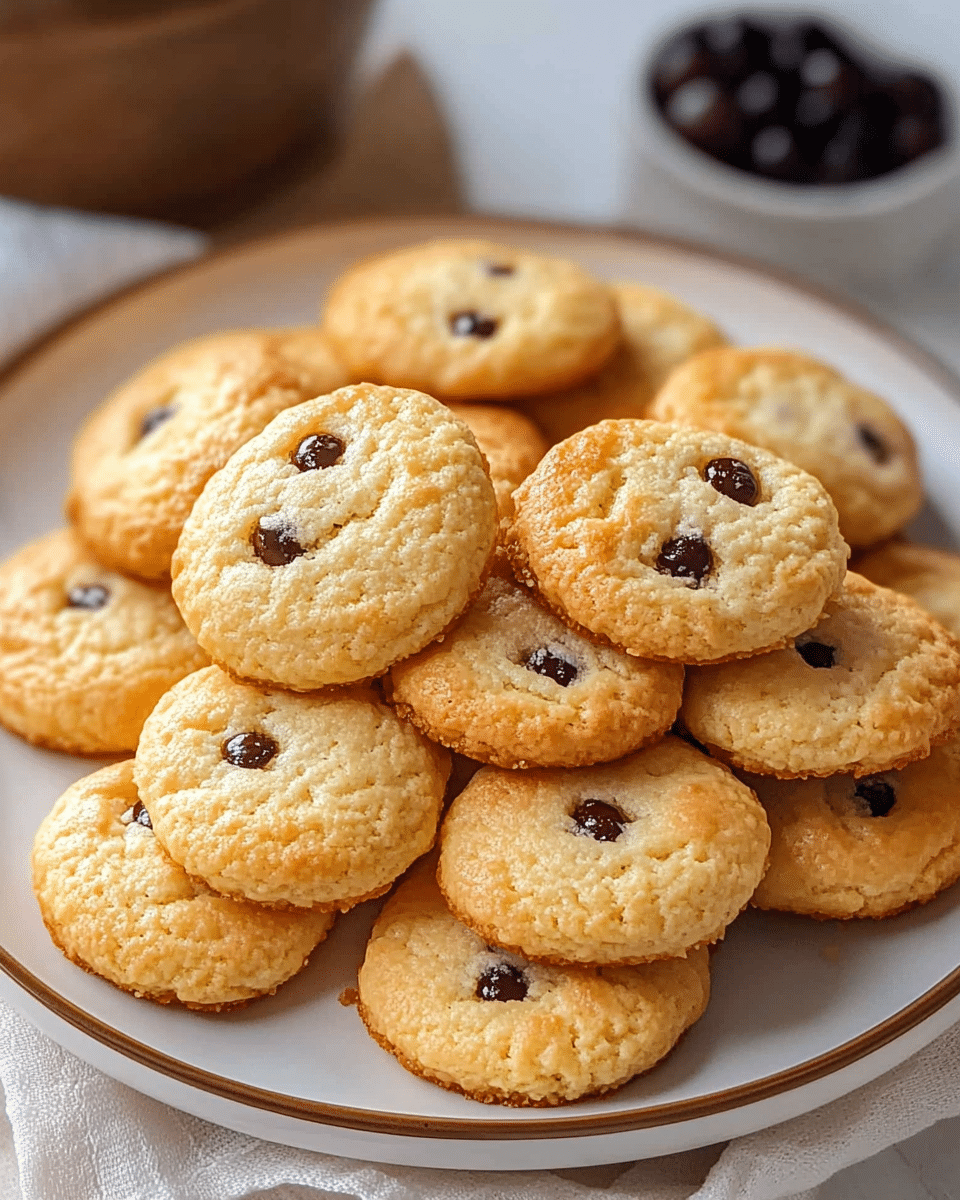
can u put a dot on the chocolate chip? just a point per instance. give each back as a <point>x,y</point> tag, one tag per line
<point>685,557</point>
<point>276,545</point>
<point>758,94</point>
<point>90,596</point>
<point>501,982</point>
<point>875,445</point>
<point>497,268</point>
<point>156,417</point>
<point>249,749</point>
<point>316,451</point>
<point>471,324</point>
<point>732,478</point>
<point>817,654</point>
<point>141,816</point>
<point>544,662</point>
<point>878,795</point>
<point>603,822</point>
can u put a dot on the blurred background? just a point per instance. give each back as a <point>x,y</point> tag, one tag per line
<point>241,117</point>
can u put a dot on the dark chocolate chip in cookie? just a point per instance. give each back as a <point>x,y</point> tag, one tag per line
<point>603,822</point>
<point>90,596</point>
<point>317,451</point>
<point>732,478</point>
<point>140,816</point>
<point>472,324</point>
<point>501,982</point>
<point>275,543</point>
<point>545,662</point>
<point>499,268</point>
<point>817,654</point>
<point>156,417</point>
<point>686,557</point>
<point>878,449</point>
<point>877,794</point>
<point>249,749</point>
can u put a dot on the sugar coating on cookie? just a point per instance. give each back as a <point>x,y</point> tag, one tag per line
<point>511,444</point>
<point>808,413</point>
<point>929,576</point>
<point>676,544</point>
<point>872,686</point>
<point>116,905</point>
<point>308,801</point>
<point>625,862</point>
<point>868,847</point>
<point>347,535</point>
<point>143,457</point>
<point>85,653</point>
<point>514,686</point>
<point>659,333</point>
<point>471,319</point>
<point>503,1030</point>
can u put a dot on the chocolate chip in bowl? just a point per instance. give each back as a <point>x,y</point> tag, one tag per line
<point>800,140</point>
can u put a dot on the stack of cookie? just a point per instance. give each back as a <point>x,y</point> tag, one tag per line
<point>385,572</point>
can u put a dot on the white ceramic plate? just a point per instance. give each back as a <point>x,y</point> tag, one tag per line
<point>802,1011</point>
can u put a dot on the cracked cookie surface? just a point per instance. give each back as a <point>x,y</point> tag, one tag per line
<point>471,320</point>
<point>872,686</point>
<point>676,544</point>
<point>306,801</point>
<point>143,457</point>
<point>117,905</point>
<point>503,1030</point>
<point>870,847</point>
<point>346,536</point>
<point>85,653</point>
<point>625,862</point>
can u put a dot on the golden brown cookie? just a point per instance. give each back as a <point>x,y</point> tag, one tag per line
<point>511,444</point>
<point>931,577</point>
<point>116,905</point>
<point>301,801</point>
<point>471,319</point>
<point>502,1030</point>
<point>85,653</point>
<point>676,544</point>
<point>511,684</point>
<point>659,333</point>
<point>143,457</point>
<point>869,847</point>
<point>347,535</point>
<point>871,687</point>
<point>809,414</point>
<point>626,862</point>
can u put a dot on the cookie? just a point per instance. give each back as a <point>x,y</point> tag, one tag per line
<point>676,544</point>
<point>930,577</point>
<point>347,535</point>
<point>659,333</point>
<point>308,801</point>
<point>808,413</point>
<point>511,444</point>
<point>85,653</point>
<point>870,847</point>
<point>621,863</point>
<point>871,687</point>
<point>116,905</point>
<point>471,319</point>
<point>514,686</point>
<point>143,457</point>
<point>502,1030</point>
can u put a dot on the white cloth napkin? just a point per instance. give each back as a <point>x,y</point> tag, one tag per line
<point>75,1134</point>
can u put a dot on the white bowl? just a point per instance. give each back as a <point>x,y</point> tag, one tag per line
<point>877,231</point>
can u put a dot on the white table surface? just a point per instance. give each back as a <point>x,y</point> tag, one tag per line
<point>538,96</point>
